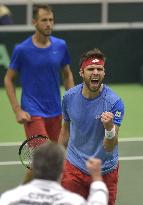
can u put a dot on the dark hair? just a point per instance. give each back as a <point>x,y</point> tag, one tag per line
<point>90,54</point>
<point>37,7</point>
<point>48,161</point>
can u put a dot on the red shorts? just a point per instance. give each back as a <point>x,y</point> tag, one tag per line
<point>77,181</point>
<point>44,126</point>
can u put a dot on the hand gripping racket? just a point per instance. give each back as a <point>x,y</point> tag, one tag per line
<point>27,148</point>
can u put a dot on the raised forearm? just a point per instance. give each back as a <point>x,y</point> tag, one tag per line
<point>110,142</point>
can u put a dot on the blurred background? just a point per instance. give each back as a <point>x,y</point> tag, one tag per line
<point>115,27</point>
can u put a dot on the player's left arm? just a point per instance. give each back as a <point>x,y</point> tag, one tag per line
<point>67,76</point>
<point>111,122</point>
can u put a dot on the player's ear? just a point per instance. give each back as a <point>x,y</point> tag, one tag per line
<point>81,72</point>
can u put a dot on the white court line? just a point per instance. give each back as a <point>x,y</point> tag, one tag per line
<point>10,144</point>
<point>131,139</point>
<point>10,163</point>
<point>121,159</point>
<point>131,158</point>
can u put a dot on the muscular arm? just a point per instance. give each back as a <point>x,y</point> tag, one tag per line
<point>67,77</point>
<point>112,120</point>
<point>21,116</point>
<point>109,144</point>
<point>107,120</point>
<point>64,134</point>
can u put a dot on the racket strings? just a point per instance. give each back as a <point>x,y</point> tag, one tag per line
<point>27,153</point>
<point>28,148</point>
<point>36,142</point>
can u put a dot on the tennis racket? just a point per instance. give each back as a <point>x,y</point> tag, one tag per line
<point>27,148</point>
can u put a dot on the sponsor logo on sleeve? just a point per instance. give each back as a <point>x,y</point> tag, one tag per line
<point>118,114</point>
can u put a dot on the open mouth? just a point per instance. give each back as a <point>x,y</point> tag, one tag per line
<point>95,81</point>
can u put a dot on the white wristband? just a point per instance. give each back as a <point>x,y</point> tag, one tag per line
<point>110,134</point>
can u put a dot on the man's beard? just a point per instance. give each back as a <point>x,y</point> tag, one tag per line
<point>90,88</point>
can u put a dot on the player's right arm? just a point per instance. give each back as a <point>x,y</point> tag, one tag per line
<point>64,134</point>
<point>21,116</point>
